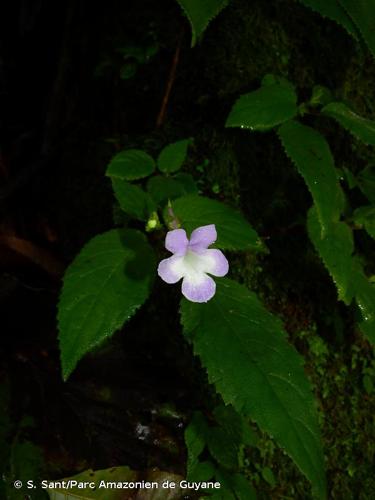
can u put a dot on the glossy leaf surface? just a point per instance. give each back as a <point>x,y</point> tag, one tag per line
<point>264,108</point>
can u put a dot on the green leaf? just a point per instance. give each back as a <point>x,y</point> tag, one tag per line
<point>26,462</point>
<point>336,249</point>
<point>365,216</point>
<point>310,153</point>
<point>234,424</point>
<point>225,439</point>
<point>200,14</point>
<point>163,188</point>
<point>103,287</point>
<point>268,476</point>
<point>360,127</point>
<point>222,448</point>
<point>366,182</point>
<point>365,297</point>
<point>187,181</point>
<point>195,440</point>
<point>172,157</point>
<point>264,108</point>
<point>333,10</point>
<point>242,487</point>
<point>133,200</point>
<point>268,383</point>
<point>234,486</point>
<point>320,96</point>
<point>362,13</point>
<point>130,165</point>
<point>234,232</point>
<point>202,471</point>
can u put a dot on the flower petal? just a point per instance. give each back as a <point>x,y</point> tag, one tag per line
<point>215,262</point>
<point>200,288</point>
<point>171,270</point>
<point>202,237</point>
<point>176,241</point>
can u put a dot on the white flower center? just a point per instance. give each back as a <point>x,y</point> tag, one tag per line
<point>193,266</point>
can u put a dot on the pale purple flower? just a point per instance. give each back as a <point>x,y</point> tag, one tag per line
<point>192,261</point>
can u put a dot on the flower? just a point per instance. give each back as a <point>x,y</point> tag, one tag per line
<point>192,260</point>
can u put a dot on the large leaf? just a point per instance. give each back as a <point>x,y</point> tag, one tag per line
<point>103,287</point>
<point>172,157</point>
<point>334,11</point>
<point>312,156</point>
<point>246,355</point>
<point>336,249</point>
<point>362,13</point>
<point>234,232</point>
<point>200,14</point>
<point>360,127</point>
<point>264,108</point>
<point>150,485</point>
<point>133,200</point>
<point>130,165</point>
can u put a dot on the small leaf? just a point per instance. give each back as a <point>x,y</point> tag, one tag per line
<point>269,384</point>
<point>366,182</point>
<point>187,181</point>
<point>233,487</point>
<point>130,165</point>
<point>195,440</point>
<point>225,440</point>
<point>320,96</point>
<point>264,108</point>
<point>268,476</point>
<point>362,14</point>
<point>26,462</point>
<point>172,157</point>
<point>312,156</point>
<point>365,297</point>
<point>234,424</point>
<point>242,487</point>
<point>222,448</point>
<point>163,189</point>
<point>103,287</point>
<point>336,249</point>
<point>202,471</point>
<point>334,11</point>
<point>365,216</point>
<point>200,14</point>
<point>133,200</point>
<point>234,232</point>
<point>360,127</point>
